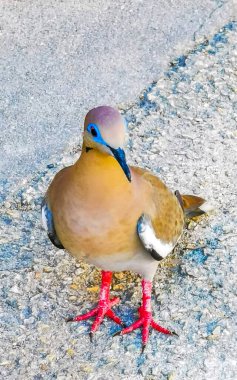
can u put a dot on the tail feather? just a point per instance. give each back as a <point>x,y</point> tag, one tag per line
<point>192,205</point>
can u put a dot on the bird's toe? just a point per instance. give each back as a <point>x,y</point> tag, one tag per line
<point>69,319</point>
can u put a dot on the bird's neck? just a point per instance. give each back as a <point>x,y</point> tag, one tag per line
<point>94,167</point>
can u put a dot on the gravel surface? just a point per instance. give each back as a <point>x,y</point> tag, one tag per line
<point>59,58</point>
<point>182,127</point>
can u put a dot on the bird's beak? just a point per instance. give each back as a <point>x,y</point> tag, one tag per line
<point>119,155</point>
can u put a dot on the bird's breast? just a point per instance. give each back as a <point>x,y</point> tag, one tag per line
<point>99,222</point>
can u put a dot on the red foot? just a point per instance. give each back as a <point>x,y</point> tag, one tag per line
<point>145,321</point>
<point>104,306</point>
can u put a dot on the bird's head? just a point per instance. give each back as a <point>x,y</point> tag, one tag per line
<point>104,130</point>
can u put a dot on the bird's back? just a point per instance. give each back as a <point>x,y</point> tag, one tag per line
<point>167,216</point>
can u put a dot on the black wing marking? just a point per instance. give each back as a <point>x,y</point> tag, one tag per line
<point>48,224</point>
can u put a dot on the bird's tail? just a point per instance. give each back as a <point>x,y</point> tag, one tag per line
<point>193,205</point>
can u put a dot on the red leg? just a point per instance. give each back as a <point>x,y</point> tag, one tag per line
<point>145,320</point>
<point>104,306</point>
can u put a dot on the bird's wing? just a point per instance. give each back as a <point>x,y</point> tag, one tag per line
<point>48,224</point>
<point>160,230</point>
<point>155,246</point>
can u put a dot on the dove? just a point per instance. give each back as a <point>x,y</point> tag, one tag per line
<point>115,216</point>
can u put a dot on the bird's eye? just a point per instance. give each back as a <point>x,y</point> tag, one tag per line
<point>93,132</point>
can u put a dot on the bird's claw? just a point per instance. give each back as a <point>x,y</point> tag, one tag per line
<point>143,348</point>
<point>99,312</point>
<point>69,320</point>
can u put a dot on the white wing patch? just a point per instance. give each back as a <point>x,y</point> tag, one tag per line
<point>44,217</point>
<point>158,248</point>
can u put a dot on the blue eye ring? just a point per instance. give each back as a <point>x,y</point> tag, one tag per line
<point>93,130</point>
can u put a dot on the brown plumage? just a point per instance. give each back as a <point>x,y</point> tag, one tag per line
<point>113,216</point>
<point>192,205</point>
<point>96,209</point>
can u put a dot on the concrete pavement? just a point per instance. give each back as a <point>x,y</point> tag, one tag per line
<point>183,128</point>
<point>58,59</point>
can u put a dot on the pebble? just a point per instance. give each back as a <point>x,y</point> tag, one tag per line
<point>74,286</point>
<point>15,289</point>
<point>44,367</point>
<point>93,289</point>
<point>119,275</point>
<point>37,275</point>
<point>51,358</point>
<point>171,376</point>
<point>47,269</point>
<point>5,363</point>
<point>29,321</point>
<point>86,368</point>
<point>73,298</point>
<point>70,352</point>
<point>216,331</point>
<point>118,287</point>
